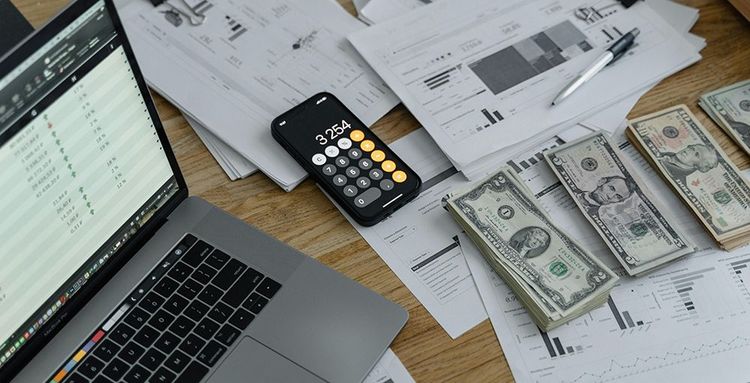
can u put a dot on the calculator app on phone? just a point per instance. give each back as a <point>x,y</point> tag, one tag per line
<point>352,164</point>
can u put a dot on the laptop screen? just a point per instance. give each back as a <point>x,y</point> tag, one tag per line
<point>83,168</point>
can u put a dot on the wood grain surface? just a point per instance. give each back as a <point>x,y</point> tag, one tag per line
<point>306,220</point>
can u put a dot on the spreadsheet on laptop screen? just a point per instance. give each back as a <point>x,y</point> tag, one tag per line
<point>83,168</point>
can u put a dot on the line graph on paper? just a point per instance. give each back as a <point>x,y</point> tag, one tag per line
<point>644,364</point>
<point>689,321</point>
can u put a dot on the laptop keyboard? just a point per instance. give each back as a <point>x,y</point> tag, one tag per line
<point>177,324</point>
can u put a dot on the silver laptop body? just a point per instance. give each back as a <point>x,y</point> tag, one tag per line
<point>111,273</point>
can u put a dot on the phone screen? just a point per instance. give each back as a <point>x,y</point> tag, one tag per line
<point>321,126</point>
<point>352,164</point>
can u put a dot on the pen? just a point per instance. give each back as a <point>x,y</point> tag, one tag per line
<point>609,56</point>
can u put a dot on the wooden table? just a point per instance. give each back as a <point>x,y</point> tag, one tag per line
<point>306,220</point>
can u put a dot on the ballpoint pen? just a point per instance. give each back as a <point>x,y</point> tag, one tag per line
<point>609,56</point>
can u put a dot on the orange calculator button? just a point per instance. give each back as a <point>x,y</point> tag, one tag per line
<point>357,135</point>
<point>377,156</point>
<point>389,166</point>
<point>367,145</point>
<point>399,176</point>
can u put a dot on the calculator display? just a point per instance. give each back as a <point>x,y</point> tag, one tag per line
<point>335,131</point>
<point>345,157</point>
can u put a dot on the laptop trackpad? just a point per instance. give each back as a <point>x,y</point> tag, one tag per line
<point>253,362</point>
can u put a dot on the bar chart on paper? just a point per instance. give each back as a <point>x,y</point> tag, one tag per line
<point>673,322</point>
<point>555,346</point>
<point>623,319</point>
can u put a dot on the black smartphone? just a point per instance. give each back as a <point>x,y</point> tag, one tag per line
<point>346,158</point>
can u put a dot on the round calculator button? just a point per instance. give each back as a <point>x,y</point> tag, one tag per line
<point>345,143</point>
<point>367,145</point>
<point>399,176</point>
<point>329,170</point>
<point>355,154</point>
<point>332,151</point>
<point>339,180</point>
<point>319,159</point>
<point>387,185</point>
<point>377,156</point>
<point>350,191</point>
<point>363,182</point>
<point>342,162</point>
<point>352,172</point>
<point>357,135</point>
<point>376,174</point>
<point>365,164</point>
<point>388,166</point>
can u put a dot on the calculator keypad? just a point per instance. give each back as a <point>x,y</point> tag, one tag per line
<point>362,171</point>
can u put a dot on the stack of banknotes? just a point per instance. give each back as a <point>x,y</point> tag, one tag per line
<point>695,166</point>
<point>553,276</point>
<point>636,227</point>
<point>729,107</point>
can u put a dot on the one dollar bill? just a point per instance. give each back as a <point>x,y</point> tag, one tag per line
<point>693,163</point>
<point>633,224</point>
<point>555,277</point>
<point>729,107</point>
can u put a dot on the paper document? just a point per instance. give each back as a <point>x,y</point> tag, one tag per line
<point>681,17</point>
<point>251,61</point>
<point>389,370</point>
<point>233,164</point>
<point>687,321</point>
<point>419,242</point>
<point>609,119</point>
<point>376,11</point>
<point>480,76</point>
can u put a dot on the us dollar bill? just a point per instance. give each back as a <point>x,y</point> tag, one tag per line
<point>729,107</point>
<point>695,166</point>
<point>630,220</point>
<point>546,266</point>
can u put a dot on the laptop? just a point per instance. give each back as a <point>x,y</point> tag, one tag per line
<point>109,272</point>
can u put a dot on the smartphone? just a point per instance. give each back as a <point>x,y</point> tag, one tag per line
<point>356,168</point>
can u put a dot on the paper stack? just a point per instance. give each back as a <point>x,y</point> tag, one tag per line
<point>236,166</point>
<point>479,93</point>
<point>248,63</point>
